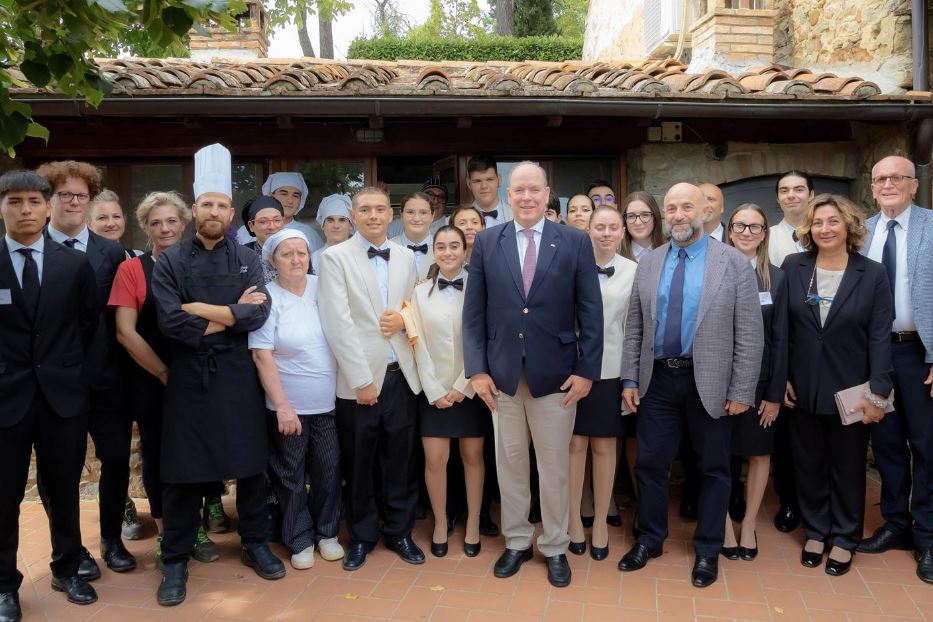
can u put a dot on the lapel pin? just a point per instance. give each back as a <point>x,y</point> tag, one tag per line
<point>553,245</point>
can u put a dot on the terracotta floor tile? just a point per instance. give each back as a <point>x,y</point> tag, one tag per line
<point>675,609</point>
<point>639,592</point>
<point>893,600</point>
<point>602,613</point>
<point>449,614</point>
<point>531,598</point>
<point>417,604</point>
<point>491,616</point>
<point>731,609</point>
<point>115,613</point>
<point>564,612</point>
<point>846,604</point>
<point>475,600</point>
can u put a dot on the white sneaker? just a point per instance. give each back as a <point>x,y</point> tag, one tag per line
<point>303,559</point>
<point>330,549</point>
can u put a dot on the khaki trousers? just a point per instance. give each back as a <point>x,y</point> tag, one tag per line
<point>521,417</point>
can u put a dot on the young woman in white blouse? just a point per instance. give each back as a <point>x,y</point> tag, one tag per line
<point>643,231</point>
<point>447,408</point>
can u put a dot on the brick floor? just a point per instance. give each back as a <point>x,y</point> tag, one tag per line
<point>773,587</point>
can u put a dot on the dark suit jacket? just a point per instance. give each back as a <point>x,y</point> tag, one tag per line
<point>853,347</point>
<point>773,378</point>
<point>48,350</point>
<point>500,324</point>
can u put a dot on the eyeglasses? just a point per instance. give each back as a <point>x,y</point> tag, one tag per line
<point>265,222</point>
<point>68,197</point>
<point>741,227</point>
<point>814,298</point>
<point>603,199</point>
<point>894,179</point>
<point>644,217</point>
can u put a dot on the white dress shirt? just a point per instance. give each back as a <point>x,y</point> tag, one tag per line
<point>381,268</point>
<point>19,260</point>
<point>82,238</point>
<point>638,250</point>
<point>419,256</point>
<point>718,232</point>
<point>904,316</point>
<point>490,221</point>
<point>522,241</point>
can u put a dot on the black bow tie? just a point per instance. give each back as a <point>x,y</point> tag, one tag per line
<point>607,271</point>
<point>419,248</point>
<point>494,214</point>
<point>375,252</point>
<point>443,283</point>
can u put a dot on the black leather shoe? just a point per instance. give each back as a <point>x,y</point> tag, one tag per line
<point>837,569</point>
<point>614,521</point>
<point>810,560</point>
<point>76,589</point>
<point>116,556</point>
<point>472,550</point>
<point>10,610</point>
<point>356,555</point>
<point>487,526</point>
<point>705,571</point>
<point>87,567</point>
<point>260,558</point>
<point>406,549</point>
<point>925,565</point>
<point>587,521</point>
<point>748,554</point>
<point>638,557</point>
<point>886,540</point>
<point>737,507</point>
<point>558,570</point>
<point>577,548</point>
<point>172,589</point>
<point>439,550</point>
<point>688,509</point>
<point>787,519</point>
<point>730,552</point>
<point>599,553</point>
<point>510,561</point>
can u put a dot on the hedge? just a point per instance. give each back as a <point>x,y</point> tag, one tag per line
<point>478,49</point>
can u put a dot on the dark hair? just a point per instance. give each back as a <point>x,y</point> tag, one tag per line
<point>596,183</point>
<point>24,181</point>
<point>414,195</point>
<point>466,208</point>
<point>435,270</point>
<point>580,194</point>
<point>480,163</point>
<point>792,173</point>
<point>657,233</point>
<point>57,173</point>
<point>553,202</point>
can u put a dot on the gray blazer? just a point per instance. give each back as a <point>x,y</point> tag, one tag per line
<point>729,337</point>
<point>919,270</point>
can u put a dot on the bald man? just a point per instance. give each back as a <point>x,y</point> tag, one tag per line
<point>691,356</point>
<point>712,215</point>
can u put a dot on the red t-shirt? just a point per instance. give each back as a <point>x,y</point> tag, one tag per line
<point>129,285</point>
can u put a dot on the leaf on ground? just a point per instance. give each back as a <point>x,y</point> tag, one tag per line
<point>437,588</point>
<point>350,596</point>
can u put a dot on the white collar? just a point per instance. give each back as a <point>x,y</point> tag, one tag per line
<point>498,208</point>
<point>366,243</point>
<point>406,241</point>
<point>60,237</point>
<point>538,226</point>
<point>902,219</point>
<point>13,245</point>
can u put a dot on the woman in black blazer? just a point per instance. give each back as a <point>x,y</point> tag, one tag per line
<point>752,432</point>
<point>840,312</point>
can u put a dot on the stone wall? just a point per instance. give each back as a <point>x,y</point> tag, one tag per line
<point>614,30</point>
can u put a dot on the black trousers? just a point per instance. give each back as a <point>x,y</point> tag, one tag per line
<point>830,460</point>
<point>111,430</point>
<point>384,434</point>
<point>182,504</point>
<point>670,408</point>
<point>146,408</point>
<point>782,461</point>
<point>903,448</point>
<point>60,446</point>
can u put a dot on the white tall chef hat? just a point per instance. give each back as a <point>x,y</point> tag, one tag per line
<point>212,171</point>
<point>293,180</point>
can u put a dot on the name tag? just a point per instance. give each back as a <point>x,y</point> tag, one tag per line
<point>5,297</point>
<point>764,298</point>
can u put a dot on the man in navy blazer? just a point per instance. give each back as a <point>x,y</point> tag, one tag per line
<point>532,347</point>
<point>901,238</point>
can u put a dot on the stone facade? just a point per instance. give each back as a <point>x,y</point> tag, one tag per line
<point>615,30</point>
<point>251,39</point>
<point>732,39</point>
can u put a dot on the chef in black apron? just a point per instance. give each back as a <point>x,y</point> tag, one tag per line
<point>209,294</point>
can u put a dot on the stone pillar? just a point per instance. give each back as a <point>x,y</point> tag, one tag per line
<point>249,41</point>
<point>733,39</point>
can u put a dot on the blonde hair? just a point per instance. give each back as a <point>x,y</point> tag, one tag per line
<point>157,199</point>
<point>762,262</point>
<point>852,216</point>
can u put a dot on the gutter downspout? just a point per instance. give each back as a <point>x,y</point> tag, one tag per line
<point>922,135</point>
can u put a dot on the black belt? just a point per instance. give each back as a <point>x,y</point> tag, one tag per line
<point>392,367</point>
<point>900,336</point>
<point>674,363</point>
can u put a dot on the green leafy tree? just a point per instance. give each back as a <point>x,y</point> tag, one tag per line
<point>53,43</point>
<point>533,17</point>
<point>297,12</point>
<point>388,20</point>
<point>454,18</point>
<point>570,17</point>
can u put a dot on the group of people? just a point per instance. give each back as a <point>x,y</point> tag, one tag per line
<point>323,373</point>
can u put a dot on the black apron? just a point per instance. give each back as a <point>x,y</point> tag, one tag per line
<point>214,415</point>
<point>143,389</point>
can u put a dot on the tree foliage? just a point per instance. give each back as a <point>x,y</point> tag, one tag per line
<point>477,49</point>
<point>454,18</point>
<point>53,43</point>
<point>297,12</point>
<point>570,17</point>
<point>388,19</point>
<point>533,17</point>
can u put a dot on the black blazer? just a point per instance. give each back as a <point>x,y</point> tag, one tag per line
<point>47,351</point>
<point>855,344</point>
<point>773,378</point>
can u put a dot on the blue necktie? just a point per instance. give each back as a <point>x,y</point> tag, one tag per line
<point>889,256</point>
<point>673,347</point>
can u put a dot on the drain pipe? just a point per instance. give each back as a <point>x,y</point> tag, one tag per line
<point>922,138</point>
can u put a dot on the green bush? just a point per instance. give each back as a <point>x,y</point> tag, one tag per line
<point>478,49</point>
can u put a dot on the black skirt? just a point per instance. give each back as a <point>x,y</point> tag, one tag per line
<point>598,413</point>
<point>469,418</point>
<point>749,438</point>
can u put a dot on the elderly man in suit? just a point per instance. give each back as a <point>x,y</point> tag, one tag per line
<point>532,344</point>
<point>691,356</point>
<point>901,238</point>
<point>363,283</point>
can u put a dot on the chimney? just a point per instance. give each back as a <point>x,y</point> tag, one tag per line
<point>733,35</point>
<point>249,41</point>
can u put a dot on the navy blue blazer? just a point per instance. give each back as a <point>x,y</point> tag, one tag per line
<point>558,329</point>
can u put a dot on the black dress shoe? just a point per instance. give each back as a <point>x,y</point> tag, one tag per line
<point>787,519</point>
<point>638,557</point>
<point>748,554</point>
<point>558,570</point>
<point>614,521</point>
<point>836,568</point>
<point>87,567</point>
<point>705,571</point>
<point>925,565</point>
<point>10,610</point>
<point>577,548</point>
<point>886,540</point>
<point>730,552</point>
<point>472,550</point>
<point>406,549</point>
<point>439,550</point>
<point>510,561</point>
<point>356,555</point>
<point>737,507</point>
<point>172,589</point>
<point>688,509</point>
<point>599,553</point>
<point>487,526</point>
<point>116,556</point>
<point>76,589</point>
<point>811,560</point>
<point>260,558</point>
<point>587,521</point>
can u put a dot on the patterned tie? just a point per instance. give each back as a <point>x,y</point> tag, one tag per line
<point>30,279</point>
<point>531,260</point>
<point>889,255</point>
<point>673,346</point>
<point>70,243</point>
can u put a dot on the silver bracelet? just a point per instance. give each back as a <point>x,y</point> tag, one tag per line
<point>874,401</point>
